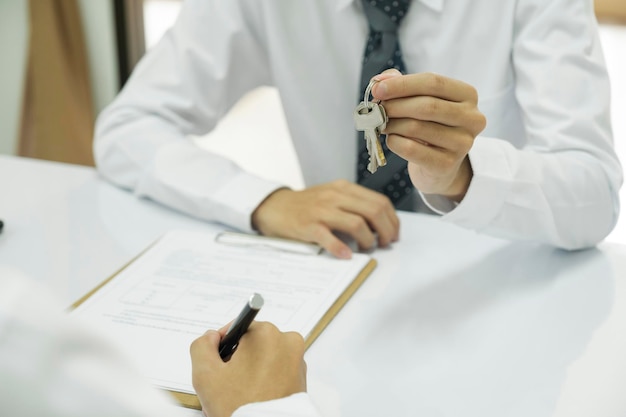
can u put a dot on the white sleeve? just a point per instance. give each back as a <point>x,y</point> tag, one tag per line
<point>562,188</point>
<point>296,405</point>
<point>210,58</point>
<point>51,365</point>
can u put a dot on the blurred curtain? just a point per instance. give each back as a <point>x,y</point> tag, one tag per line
<point>611,11</point>
<point>57,109</point>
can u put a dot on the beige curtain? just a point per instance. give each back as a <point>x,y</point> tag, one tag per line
<point>611,10</point>
<point>57,110</point>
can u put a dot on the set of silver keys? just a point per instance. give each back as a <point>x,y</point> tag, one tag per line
<point>371,118</point>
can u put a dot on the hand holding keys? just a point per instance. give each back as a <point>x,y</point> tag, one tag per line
<point>370,118</point>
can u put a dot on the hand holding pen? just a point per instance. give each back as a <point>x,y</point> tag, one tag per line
<point>239,326</point>
<point>267,364</point>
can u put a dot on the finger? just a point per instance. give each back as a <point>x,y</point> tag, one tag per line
<point>453,139</point>
<point>435,160</point>
<point>376,208</point>
<point>322,235</point>
<point>374,212</point>
<point>296,339</point>
<point>424,84</point>
<point>380,217</point>
<point>224,329</point>
<point>205,351</point>
<point>434,109</point>
<point>389,73</point>
<point>258,330</point>
<point>353,225</point>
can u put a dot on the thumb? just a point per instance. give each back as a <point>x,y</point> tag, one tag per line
<point>379,89</point>
<point>205,350</point>
<point>389,73</point>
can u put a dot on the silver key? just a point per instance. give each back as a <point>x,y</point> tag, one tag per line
<point>371,119</point>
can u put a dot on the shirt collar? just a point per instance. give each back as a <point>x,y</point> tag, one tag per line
<point>436,5</point>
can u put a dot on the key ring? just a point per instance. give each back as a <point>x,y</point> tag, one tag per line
<point>368,90</point>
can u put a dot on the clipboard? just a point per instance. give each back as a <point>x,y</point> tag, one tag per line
<point>268,243</point>
<point>251,244</point>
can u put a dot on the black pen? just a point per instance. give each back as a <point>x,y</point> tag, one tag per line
<point>240,325</point>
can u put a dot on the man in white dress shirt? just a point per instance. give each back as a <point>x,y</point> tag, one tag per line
<point>503,117</point>
<point>53,365</point>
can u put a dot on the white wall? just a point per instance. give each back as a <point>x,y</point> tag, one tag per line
<point>13,41</point>
<point>99,26</point>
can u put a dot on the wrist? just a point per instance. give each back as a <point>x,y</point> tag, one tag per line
<point>261,216</point>
<point>459,186</point>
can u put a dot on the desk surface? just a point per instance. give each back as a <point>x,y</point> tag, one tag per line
<point>451,323</point>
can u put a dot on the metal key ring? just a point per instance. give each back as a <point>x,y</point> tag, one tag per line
<point>368,90</point>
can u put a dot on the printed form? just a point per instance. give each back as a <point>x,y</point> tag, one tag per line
<point>188,282</point>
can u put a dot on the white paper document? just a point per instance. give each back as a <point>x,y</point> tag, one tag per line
<point>188,282</point>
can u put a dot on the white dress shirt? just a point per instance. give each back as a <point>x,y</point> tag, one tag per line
<point>52,365</point>
<point>544,168</point>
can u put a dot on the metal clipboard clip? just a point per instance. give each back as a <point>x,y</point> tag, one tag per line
<point>267,243</point>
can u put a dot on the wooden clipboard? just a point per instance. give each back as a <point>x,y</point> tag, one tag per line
<point>191,400</point>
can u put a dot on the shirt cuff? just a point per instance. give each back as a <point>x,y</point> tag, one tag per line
<point>438,203</point>
<point>241,197</point>
<point>296,405</point>
<point>490,185</point>
<point>203,185</point>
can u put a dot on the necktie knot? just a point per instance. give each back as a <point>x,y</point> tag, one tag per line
<point>385,15</point>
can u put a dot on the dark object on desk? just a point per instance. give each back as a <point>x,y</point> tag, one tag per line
<point>239,326</point>
<point>1,225</point>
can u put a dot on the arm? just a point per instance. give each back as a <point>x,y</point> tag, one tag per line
<point>212,56</point>
<point>202,66</point>
<point>266,375</point>
<point>562,187</point>
<point>52,365</point>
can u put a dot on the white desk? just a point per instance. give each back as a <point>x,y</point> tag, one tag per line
<point>451,323</point>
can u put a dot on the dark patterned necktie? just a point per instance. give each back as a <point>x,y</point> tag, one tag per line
<point>382,52</point>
